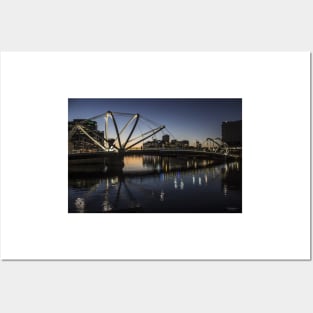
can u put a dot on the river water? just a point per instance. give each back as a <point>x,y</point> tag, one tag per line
<point>153,184</point>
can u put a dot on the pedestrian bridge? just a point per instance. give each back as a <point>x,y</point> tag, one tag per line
<point>126,137</point>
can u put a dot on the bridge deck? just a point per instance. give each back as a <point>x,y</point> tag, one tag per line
<point>157,152</point>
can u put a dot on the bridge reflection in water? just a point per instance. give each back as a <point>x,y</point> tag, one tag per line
<point>155,184</point>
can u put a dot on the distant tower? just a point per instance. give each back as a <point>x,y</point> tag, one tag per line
<point>166,139</point>
<point>232,133</point>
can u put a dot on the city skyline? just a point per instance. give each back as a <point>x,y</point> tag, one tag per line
<point>185,119</point>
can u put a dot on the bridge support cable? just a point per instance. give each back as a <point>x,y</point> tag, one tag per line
<point>116,129</point>
<point>155,124</point>
<point>72,132</point>
<point>131,132</point>
<point>84,131</point>
<point>134,117</point>
<point>128,123</point>
<point>222,145</point>
<point>142,135</point>
<point>106,123</point>
<point>96,116</point>
<point>106,142</point>
<point>221,141</point>
<point>214,143</point>
<point>171,134</point>
<point>150,135</point>
<point>91,138</point>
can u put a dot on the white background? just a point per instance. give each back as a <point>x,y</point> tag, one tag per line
<point>275,223</point>
<point>156,286</point>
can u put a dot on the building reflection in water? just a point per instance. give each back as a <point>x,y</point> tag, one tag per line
<point>182,184</point>
<point>167,164</point>
<point>110,189</point>
<point>132,193</point>
<point>162,195</point>
<point>106,202</point>
<point>175,183</point>
<point>80,204</point>
<point>231,178</point>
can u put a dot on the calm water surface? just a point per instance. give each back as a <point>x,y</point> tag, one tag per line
<point>152,184</point>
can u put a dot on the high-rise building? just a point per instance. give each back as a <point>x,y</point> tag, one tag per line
<point>232,133</point>
<point>198,145</point>
<point>79,142</point>
<point>166,139</point>
<point>184,143</point>
<point>89,124</point>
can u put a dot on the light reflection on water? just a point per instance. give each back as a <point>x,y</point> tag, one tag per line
<point>198,189</point>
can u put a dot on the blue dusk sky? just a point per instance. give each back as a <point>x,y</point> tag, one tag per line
<point>190,119</point>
